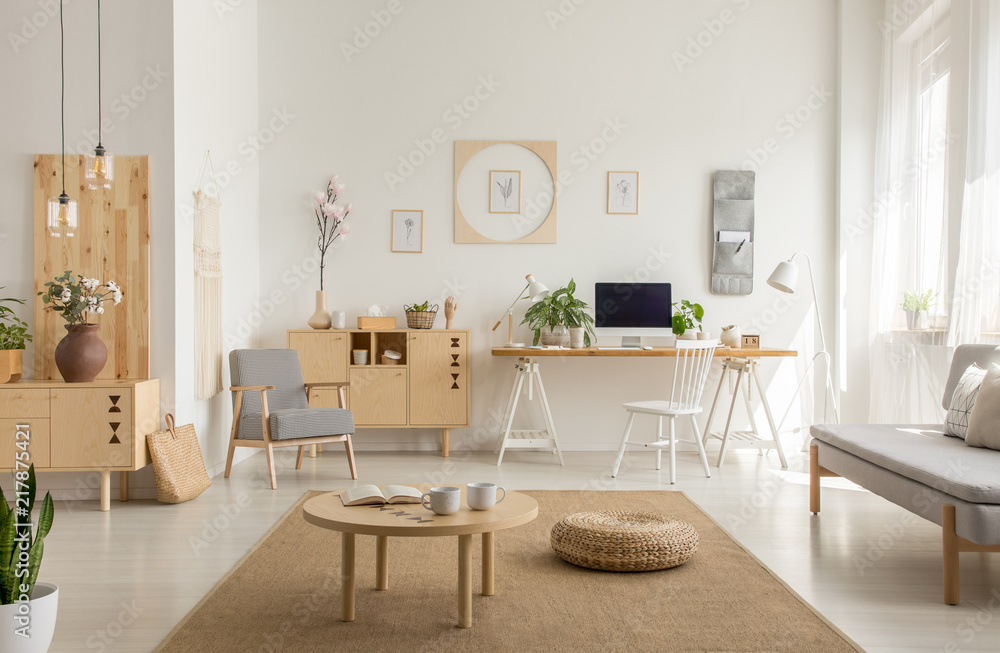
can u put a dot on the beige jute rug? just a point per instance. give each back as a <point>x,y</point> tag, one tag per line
<point>285,595</point>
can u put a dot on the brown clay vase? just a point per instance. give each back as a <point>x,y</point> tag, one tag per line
<point>81,355</point>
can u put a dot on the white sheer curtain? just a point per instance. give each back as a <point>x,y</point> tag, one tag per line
<point>938,190</point>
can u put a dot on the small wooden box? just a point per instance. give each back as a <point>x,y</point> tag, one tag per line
<point>750,342</point>
<point>376,323</point>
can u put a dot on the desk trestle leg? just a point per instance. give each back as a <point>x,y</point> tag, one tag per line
<point>546,438</point>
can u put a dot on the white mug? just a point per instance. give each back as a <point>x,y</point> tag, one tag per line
<point>360,356</point>
<point>444,500</point>
<point>339,319</point>
<point>483,496</point>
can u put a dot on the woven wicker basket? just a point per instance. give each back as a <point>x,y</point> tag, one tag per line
<point>621,540</point>
<point>420,319</point>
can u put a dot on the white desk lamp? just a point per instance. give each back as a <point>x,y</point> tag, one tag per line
<point>784,278</point>
<point>536,293</point>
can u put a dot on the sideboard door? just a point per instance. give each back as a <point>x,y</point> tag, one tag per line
<point>91,427</point>
<point>439,378</point>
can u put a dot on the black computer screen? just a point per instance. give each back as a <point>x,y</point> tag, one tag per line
<point>632,305</point>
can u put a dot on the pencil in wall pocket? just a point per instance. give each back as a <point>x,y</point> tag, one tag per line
<point>733,225</point>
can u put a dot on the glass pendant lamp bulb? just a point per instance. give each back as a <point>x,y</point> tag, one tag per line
<point>62,216</point>
<point>99,169</point>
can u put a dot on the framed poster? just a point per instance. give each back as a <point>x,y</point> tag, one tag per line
<point>505,191</point>
<point>623,192</point>
<point>408,231</point>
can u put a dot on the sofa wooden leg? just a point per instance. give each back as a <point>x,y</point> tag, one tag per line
<point>814,476</point>
<point>950,546</point>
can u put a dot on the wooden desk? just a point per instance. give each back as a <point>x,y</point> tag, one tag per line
<point>740,360</point>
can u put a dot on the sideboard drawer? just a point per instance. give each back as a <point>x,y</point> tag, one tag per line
<point>17,403</point>
<point>35,435</point>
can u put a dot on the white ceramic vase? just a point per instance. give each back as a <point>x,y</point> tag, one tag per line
<point>690,334</point>
<point>321,318</point>
<point>731,336</point>
<point>41,614</point>
<point>576,335</point>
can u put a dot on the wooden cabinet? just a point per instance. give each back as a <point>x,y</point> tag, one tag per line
<point>427,388</point>
<point>73,427</point>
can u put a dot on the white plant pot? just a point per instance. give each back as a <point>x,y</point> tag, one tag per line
<point>41,615</point>
<point>731,336</point>
<point>558,336</point>
<point>705,335</point>
<point>688,335</point>
<point>576,335</point>
<point>916,320</point>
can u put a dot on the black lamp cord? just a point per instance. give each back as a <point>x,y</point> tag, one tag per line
<point>62,93</point>
<point>100,122</point>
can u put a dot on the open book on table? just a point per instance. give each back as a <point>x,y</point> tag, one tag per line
<point>367,495</point>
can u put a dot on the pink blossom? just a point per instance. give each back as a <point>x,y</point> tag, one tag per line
<point>337,211</point>
<point>338,187</point>
<point>334,179</point>
<point>345,228</point>
<point>319,198</point>
<point>347,209</point>
<point>329,209</point>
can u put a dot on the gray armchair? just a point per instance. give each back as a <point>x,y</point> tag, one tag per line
<point>271,408</point>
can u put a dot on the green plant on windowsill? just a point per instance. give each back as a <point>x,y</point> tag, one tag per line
<point>561,307</point>
<point>687,315</point>
<point>914,300</point>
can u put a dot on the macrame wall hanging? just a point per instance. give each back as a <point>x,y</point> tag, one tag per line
<point>207,288</point>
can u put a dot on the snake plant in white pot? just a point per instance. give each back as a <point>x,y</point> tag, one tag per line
<point>27,608</point>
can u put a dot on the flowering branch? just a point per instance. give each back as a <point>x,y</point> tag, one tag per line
<point>77,300</point>
<point>330,220</point>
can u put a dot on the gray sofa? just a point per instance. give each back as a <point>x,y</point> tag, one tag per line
<point>919,468</point>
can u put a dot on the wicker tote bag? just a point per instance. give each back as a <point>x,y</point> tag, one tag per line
<point>177,462</point>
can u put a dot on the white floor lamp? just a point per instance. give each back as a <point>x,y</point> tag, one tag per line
<point>784,278</point>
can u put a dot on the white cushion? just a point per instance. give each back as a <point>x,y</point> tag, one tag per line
<point>962,401</point>
<point>984,420</point>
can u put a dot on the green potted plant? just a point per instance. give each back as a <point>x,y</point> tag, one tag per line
<point>27,608</point>
<point>552,318</point>
<point>13,337</point>
<point>420,316</point>
<point>687,316</point>
<point>916,304</point>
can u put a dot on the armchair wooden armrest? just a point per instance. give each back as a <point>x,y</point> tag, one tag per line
<point>241,388</point>
<point>330,384</point>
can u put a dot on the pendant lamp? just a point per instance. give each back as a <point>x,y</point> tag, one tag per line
<point>99,166</point>
<point>62,211</point>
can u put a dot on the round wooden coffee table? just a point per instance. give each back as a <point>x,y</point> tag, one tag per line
<point>413,520</point>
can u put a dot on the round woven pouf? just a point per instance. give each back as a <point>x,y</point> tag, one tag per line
<point>624,540</point>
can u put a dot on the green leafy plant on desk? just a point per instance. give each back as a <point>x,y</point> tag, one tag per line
<point>687,315</point>
<point>561,307</point>
<point>13,331</point>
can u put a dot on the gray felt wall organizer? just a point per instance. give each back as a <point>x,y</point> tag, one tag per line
<point>732,251</point>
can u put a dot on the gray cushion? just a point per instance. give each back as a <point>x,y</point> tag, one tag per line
<point>277,367</point>
<point>921,453</point>
<point>978,522</point>
<point>956,422</point>
<point>298,423</point>
<point>965,355</point>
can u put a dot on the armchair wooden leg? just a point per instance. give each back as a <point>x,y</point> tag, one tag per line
<point>229,456</point>
<point>950,546</point>
<point>814,479</point>
<point>269,452</point>
<point>298,459</point>
<point>350,457</point>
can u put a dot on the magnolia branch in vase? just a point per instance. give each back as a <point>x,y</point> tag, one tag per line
<point>331,220</point>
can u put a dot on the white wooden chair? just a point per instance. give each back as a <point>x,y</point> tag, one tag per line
<point>694,358</point>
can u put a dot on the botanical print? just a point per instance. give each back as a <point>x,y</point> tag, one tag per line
<point>505,191</point>
<point>623,192</point>
<point>407,231</point>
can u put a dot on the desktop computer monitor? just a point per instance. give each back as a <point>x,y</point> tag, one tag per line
<point>632,310</point>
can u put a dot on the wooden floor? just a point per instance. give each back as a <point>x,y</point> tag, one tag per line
<point>126,577</point>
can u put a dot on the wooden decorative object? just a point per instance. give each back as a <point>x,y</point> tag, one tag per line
<point>465,232</point>
<point>450,306</point>
<point>751,342</point>
<point>10,365</point>
<point>376,323</point>
<point>112,243</point>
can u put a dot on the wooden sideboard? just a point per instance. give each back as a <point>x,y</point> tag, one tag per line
<point>74,427</point>
<point>428,388</point>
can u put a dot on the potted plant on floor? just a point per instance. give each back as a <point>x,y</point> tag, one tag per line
<point>13,337</point>
<point>687,316</point>
<point>27,608</point>
<point>916,305</point>
<point>81,355</point>
<point>552,318</point>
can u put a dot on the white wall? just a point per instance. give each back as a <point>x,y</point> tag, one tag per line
<point>215,54</point>
<point>563,80</point>
<point>138,104</point>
